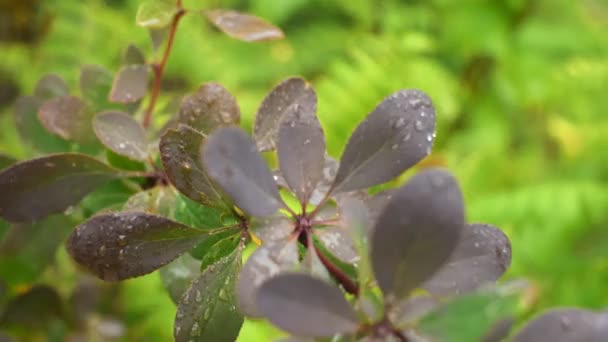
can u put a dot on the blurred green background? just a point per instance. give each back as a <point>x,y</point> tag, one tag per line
<point>520,88</point>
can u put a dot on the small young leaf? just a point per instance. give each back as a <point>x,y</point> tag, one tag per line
<point>291,91</point>
<point>233,161</point>
<point>306,306</point>
<point>155,13</point>
<point>565,325</point>
<point>482,255</point>
<point>39,187</point>
<point>212,106</point>
<point>178,275</point>
<point>159,200</point>
<point>130,84</point>
<point>180,154</point>
<point>50,86</point>
<point>95,85</point>
<point>122,134</point>
<point>394,137</point>
<point>35,308</point>
<point>30,129</point>
<point>243,26</point>
<point>417,231</point>
<point>6,161</point>
<point>207,311</point>
<point>267,261</point>
<point>301,151</point>
<point>123,245</point>
<point>67,117</point>
<point>133,55</point>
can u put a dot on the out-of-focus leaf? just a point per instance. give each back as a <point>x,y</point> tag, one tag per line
<point>50,86</point>
<point>212,106</point>
<point>109,196</point>
<point>482,255</point>
<point>339,241</point>
<point>178,275</point>
<point>417,231</point>
<point>95,85</point>
<point>267,261</point>
<point>376,203</point>
<point>129,244</point>
<point>123,163</point>
<point>315,308</point>
<point>35,308</point>
<point>412,309</point>
<point>272,228</point>
<point>122,134</point>
<point>158,36</point>
<point>301,150</point>
<point>133,55</point>
<point>330,167</point>
<point>30,129</point>
<point>566,325</point>
<point>155,13</point>
<point>291,91</point>
<point>130,84</point>
<point>180,154</point>
<point>159,200</point>
<point>39,187</point>
<point>394,137</point>
<point>499,330</point>
<point>67,117</point>
<point>207,311</point>
<point>6,161</point>
<point>355,218</point>
<point>312,265</point>
<point>243,26</point>
<point>233,161</point>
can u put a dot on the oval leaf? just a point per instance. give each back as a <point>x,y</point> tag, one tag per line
<point>133,55</point>
<point>566,325</point>
<point>301,151</point>
<point>416,232</point>
<point>339,241</point>
<point>212,106</point>
<point>306,306</point>
<point>67,118</point>
<point>243,26</point>
<point>36,308</point>
<point>130,84</point>
<point>95,84</point>
<point>39,187</point>
<point>155,13</point>
<point>394,137</point>
<point>291,91</point>
<point>31,130</point>
<point>124,245</point>
<point>207,311</point>
<point>482,255</point>
<point>122,134</point>
<point>50,86</point>
<point>233,161</point>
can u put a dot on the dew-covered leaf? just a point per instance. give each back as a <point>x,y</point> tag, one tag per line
<point>160,200</point>
<point>178,275</point>
<point>273,228</point>
<point>301,150</point>
<point>212,106</point>
<point>133,55</point>
<point>39,187</point>
<point>243,26</point>
<point>330,167</point>
<point>31,130</point>
<point>35,308</point>
<point>267,261</point>
<point>339,241</point>
<point>566,325</point>
<point>155,13</point>
<point>306,306</point>
<point>66,117</point>
<point>130,84</point>
<point>118,246</point>
<point>291,91</point>
<point>394,137</point>
<point>6,161</point>
<point>50,86</point>
<point>180,154</point>
<point>120,133</point>
<point>233,161</point>
<point>95,85</point>
<point>207,311</point>
<point>482,255</point>
<point>417,231</point>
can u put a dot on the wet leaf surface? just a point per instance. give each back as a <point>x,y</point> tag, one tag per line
<point>306,306</point>
<point>178,275</point>
<point>50,86</point>
<point>130,84</point>
<point>39,187</point>
<point>291,91</point>
<point>123,245</point>
<point>212,106</point>
<point>31,130</point>
<point>243,26</point>
<point>67,117</point>
<point>393,137</point>
<point>155,13</point>
<point>565,325</point>
<point>123,135</point>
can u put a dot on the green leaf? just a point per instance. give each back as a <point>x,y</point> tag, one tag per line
<point>6,161</point>
<point>39,187</point>
<point>196,215</point>
<point>51,86</point>
<point>178,275</point>
<point>110,196</point>
<point>31,130</point>
<point>159,200</point>
<point>221,248</point>
<point>120,133</point>
<point>123,163</point>
<point>243,26</point>
<point>207,311</point>
<point>155,13</point>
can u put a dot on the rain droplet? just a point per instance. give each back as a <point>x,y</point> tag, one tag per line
<point>198,297</point>
<point>307,141</point>
<point>223,294</point>
<point>102,250</point>
<point>407,136</point>
<point>121,145</point>
<point>419,125</point>
<point>122,240</point>
<point>196,330</point>
<point>395,146</point>
<point>207,314</point>
<point>400,123</point>
<point>429,137</point>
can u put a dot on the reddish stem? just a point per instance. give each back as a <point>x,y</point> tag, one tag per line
<point>348,284</point>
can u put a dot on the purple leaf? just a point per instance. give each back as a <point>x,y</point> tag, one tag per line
<point>130,84</point>
<point>67,117</point>
<point>123,135</point>
<point>566,325</point>
<point>212,106</point>
<point>243,26</point>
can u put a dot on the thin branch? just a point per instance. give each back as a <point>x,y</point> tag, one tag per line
<point>348,284</point>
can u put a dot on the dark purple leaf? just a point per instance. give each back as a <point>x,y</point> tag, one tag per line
<point>95,84</point>
<point>207,311</point>
<point>39,187</point>
<point>413,308</point>
<point>376,203</point>
<point>233,161</point>
<point>267,261</point>
<point>301,150</point>
<point>155,13</point>
<point>133,55</point>
<point>212,106</point>
<point>339,241</point>
<point>291,91</point>
<point>50,86</point>
<point>273,228</point>
<point>482,255</point>
<point>180,154</point>
<point>330,167</point>
<point>124,245</point>
<point>123,135</point>
<point>67,117</point>
<point>306,306</point>
<point>178,275</point>
<point>130,84</point>
<point>417,231</point>
<point>394,137</point>
<point>243,26</point>
<point>566,325</point>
